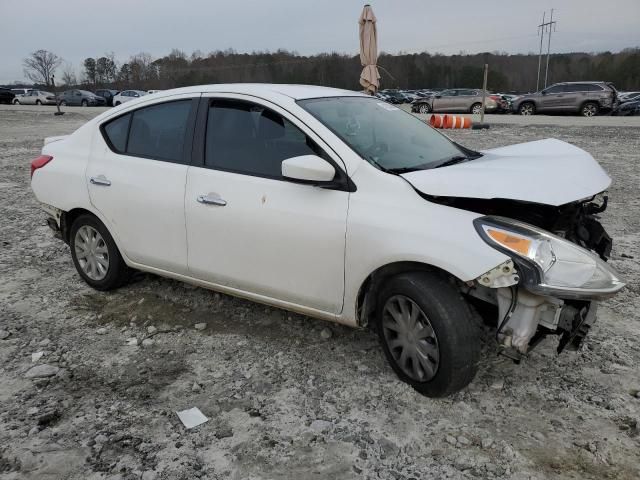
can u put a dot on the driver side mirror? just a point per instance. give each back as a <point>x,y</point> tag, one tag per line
<point>309,169</point>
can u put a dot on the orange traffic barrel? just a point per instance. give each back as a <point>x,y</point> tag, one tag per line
<point>437,121</point>
<point>451,121</point>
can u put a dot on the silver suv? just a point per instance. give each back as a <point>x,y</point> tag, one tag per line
<point>456,100</point>
<point>585,98</point>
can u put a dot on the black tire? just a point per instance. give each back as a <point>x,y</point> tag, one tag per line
<point>117,103</point>
<point>117,272</point>
<point>589,109</point>
<point>38,102</point>
<point>424,108</point>
<point>474,107</point>
<point>527,108</point>
<point>84,103</point>
<point>450,317</point>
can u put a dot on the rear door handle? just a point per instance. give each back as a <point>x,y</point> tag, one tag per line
<point>100,180</point>
<point>212,199</point>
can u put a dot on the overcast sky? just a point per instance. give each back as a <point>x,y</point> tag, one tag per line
<point>76,29</point>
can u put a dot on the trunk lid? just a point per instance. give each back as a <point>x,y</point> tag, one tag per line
<point>550,172</point>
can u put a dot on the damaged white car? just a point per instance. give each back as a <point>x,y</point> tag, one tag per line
<point>342,207</point>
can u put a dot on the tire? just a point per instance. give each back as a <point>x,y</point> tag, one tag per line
<point>476,108</point>
<point>424,108</point>
<point>116,271</point>
<point>117,103</point>
<point>589,109</point>
<point>527,108</point>
<point>84,103</point>
<point>38,102</point>
<point>453,347</point>
<point>63,103</point>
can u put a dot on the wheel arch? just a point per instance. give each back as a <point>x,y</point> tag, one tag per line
<point>366,297</point>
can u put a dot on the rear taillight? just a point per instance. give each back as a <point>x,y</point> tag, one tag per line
<point>494,97</point>
<point>40,162</point>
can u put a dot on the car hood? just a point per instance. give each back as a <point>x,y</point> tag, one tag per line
<point>549,172</point>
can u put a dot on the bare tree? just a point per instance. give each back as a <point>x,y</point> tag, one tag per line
<point>69,75</point>
<point>40,66</point>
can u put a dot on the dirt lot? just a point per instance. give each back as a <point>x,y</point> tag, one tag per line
<point>287,396</point>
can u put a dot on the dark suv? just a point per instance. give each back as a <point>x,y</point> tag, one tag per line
<point>585,98</point>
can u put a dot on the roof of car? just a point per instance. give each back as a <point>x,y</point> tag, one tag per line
<point>297,92</point>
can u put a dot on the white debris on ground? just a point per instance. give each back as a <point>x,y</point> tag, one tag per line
<point>288,397</point>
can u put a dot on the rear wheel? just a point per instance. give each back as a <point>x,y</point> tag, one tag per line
<point>476,108</point>
<point>38,102</point>
<point>427,333</point>
<point>95,254</point>
<point>527,108</point>
<point>424,108</point>
<point>84,103</point>
<point>589,109</point>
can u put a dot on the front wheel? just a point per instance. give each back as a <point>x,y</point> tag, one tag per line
<point>38,102</point>
<point>427,333</point>
<point>95,254</point>
<point>527,108</point>
<point>424,108</point>
<point>476,108</point>
<point>589,109</point>
<point>84,103</point>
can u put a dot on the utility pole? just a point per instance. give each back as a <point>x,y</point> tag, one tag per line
<point>552,26</point>
<point>541,32</point>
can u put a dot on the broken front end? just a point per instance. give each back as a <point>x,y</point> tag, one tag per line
<point>556,275</point>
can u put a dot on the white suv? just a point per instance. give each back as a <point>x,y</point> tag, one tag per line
<point>340,206</point>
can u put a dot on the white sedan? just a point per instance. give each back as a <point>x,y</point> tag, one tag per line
<point>342,207</point>
<point>126,96</point>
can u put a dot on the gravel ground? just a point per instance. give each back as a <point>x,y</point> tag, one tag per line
<point>90,382</point>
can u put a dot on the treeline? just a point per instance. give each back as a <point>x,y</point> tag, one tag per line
<point>421,70</point>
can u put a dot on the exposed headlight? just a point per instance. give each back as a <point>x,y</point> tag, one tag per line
<point>548,264</point>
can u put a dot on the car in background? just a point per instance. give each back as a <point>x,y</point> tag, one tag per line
<point>126,96</point>
<point>81,98</point>
<point>19,92</point>
<point>153,91</point>
<point>628,96</point>
<point>6,96</point>
<point>395,96</point>
<point>455,100</point>
<point>626,109</point>
<point>155,186</point>
<point>37,97</point>
<point>584,98</point>
<point>108,95</point>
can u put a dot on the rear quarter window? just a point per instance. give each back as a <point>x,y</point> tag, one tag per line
<point>116,133</point>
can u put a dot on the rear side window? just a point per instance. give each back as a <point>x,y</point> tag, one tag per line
<point>592,87</point>
<point>116,133</point>
<point>157,132</point>
<point>252,140</point>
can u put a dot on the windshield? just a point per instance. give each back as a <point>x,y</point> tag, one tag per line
<point>384,135</point>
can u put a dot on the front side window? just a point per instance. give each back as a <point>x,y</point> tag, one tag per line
<point>157,132</point>
<point>382,134</point>
<point>247,138</point>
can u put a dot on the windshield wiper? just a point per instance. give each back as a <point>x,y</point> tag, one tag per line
<point>400,170</point>
<point>453,160</point>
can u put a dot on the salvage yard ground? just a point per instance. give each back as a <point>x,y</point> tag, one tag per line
<point>290,397</point>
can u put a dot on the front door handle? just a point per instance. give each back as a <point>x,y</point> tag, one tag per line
<point>100,180</point>
<point>212,199</point>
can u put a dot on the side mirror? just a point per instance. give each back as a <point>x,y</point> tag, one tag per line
<point>308,169</point>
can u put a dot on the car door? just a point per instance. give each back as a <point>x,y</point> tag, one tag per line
<point>551,98</point>
<point>29,98</point>
<point>136,178</point>
<point>250,229</point>
<point>573,96</point>
<point>444,101</point>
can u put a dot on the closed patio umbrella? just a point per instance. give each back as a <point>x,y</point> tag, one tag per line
<point>369,78</point>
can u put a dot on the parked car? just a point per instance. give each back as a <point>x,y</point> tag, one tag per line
<point>153,91</point>
<point>628,96</point>
<point>334,204</point>
<point>19,92</point>
<point>127,96</point>
<point>6,96</point>
<point>81,98</point>
<point>108,95</point>
<point>455,100</point>
<point>37,97</point>
<point>584,98</point>
<point>626,109</point>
